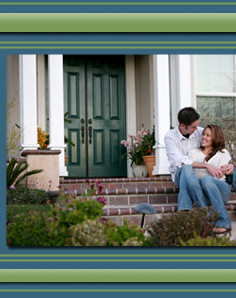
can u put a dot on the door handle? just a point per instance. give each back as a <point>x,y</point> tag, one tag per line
<point>90,134</point>
<point>82,131</point>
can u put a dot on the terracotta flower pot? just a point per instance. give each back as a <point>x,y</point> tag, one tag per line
<point>66,157</point>
<point>150,161</point>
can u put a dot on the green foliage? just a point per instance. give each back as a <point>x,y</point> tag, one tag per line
<point>148,141</point>
<point>14,170</point>
<point>13,210</point>
<point>172,228</point>
<point>25,195</point>
<point>106,233</point>
<point>52,228</point>
<point>72,221</point>
<point>228,125</point>
<point>208,241</point>
<point>89,233</point>
<point>118,235</point>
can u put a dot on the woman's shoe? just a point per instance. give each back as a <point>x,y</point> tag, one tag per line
<point>218,230</point>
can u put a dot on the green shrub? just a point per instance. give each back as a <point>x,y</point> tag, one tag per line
<point>14,171</point>
<point>13,210</point>
<point>52,228</point>
<point>25,195</point>
<point>208,241</point>
<point>172,228</point>
<point>118,235</point>
<point>73,221</point>
<point>106,233</point>
<point>89,233</point>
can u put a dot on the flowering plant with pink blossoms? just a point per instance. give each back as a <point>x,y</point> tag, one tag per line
<point>139,146</point>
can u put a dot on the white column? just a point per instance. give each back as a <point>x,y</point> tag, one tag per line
<point>56,109</point>
<point>180,71</point>
<point>130,102</point>
<point>41,92</point>
<point>28,101</point>
<point>162,111</point>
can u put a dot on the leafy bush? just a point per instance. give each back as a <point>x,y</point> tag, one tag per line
<point>106,233</point>
<point>14,170</point>
<point>25,195</point>
<point>52,228</point>
<point>13,210</point>
<point>72,221</point>
<point>208,241</point>
<point>172,228</point>
<point>118,235</point>
<point>228,125</point>
<point>89,233</point>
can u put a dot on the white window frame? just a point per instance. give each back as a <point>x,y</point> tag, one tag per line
<point>195,94</point>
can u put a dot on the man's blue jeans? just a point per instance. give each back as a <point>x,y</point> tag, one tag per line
<point>185,202</point>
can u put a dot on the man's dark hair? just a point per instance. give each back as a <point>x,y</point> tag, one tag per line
<point>187,116</point>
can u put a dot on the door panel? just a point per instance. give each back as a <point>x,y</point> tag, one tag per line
<point>95,92</point>
<point>75,104</point>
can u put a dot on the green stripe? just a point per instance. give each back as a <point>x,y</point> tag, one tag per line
<point>118,22</point>
<point>119,260</point>
<point>119,290</point>
<point>117,3</point>
<point>118,48</point>
<point>118,275</point>
<point>119,255</point>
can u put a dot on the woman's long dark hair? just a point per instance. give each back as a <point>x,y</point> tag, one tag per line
<point>218,140</point>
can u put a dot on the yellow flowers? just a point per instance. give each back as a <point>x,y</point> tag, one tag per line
<point>43,139</point>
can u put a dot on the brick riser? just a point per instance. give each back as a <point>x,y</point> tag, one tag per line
<point>128,213</point>
<point>117,183</point>
<point>134,196</point>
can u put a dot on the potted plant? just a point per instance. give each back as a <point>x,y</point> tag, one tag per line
<point>148,141</point>
<point>43,139</point>
<point>135,153</point>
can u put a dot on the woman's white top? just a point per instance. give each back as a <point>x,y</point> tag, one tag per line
<point>218,160</point>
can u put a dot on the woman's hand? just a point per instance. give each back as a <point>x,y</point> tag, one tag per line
<point>217,173</point>
<point>227,169</point>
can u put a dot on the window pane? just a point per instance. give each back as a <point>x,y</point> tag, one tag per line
<point>215,73</point>
<point>215,106</point>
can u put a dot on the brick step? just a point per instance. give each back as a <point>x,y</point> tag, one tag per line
<point>117,183</point>
<point>134,196</point>
<point>123,194</point>
<point>117,213</point>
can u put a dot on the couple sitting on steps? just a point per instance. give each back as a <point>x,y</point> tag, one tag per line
<point>199,162</point>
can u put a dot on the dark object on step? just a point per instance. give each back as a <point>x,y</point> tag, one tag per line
<point>229,178</point>
<point>145,208</point>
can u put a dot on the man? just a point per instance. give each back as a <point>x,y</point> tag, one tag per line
<point>179,141</point>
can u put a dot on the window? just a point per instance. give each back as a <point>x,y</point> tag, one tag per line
<point>215,85</point>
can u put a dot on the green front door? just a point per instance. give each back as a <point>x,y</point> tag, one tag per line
<point>94,96</point>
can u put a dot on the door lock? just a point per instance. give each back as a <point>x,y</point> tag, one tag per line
<point>82,120</point>
<point>90,121</point>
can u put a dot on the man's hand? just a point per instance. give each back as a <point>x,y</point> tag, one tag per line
<point>227,169</point>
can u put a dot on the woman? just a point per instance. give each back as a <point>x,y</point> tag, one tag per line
<point>210,179</point>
